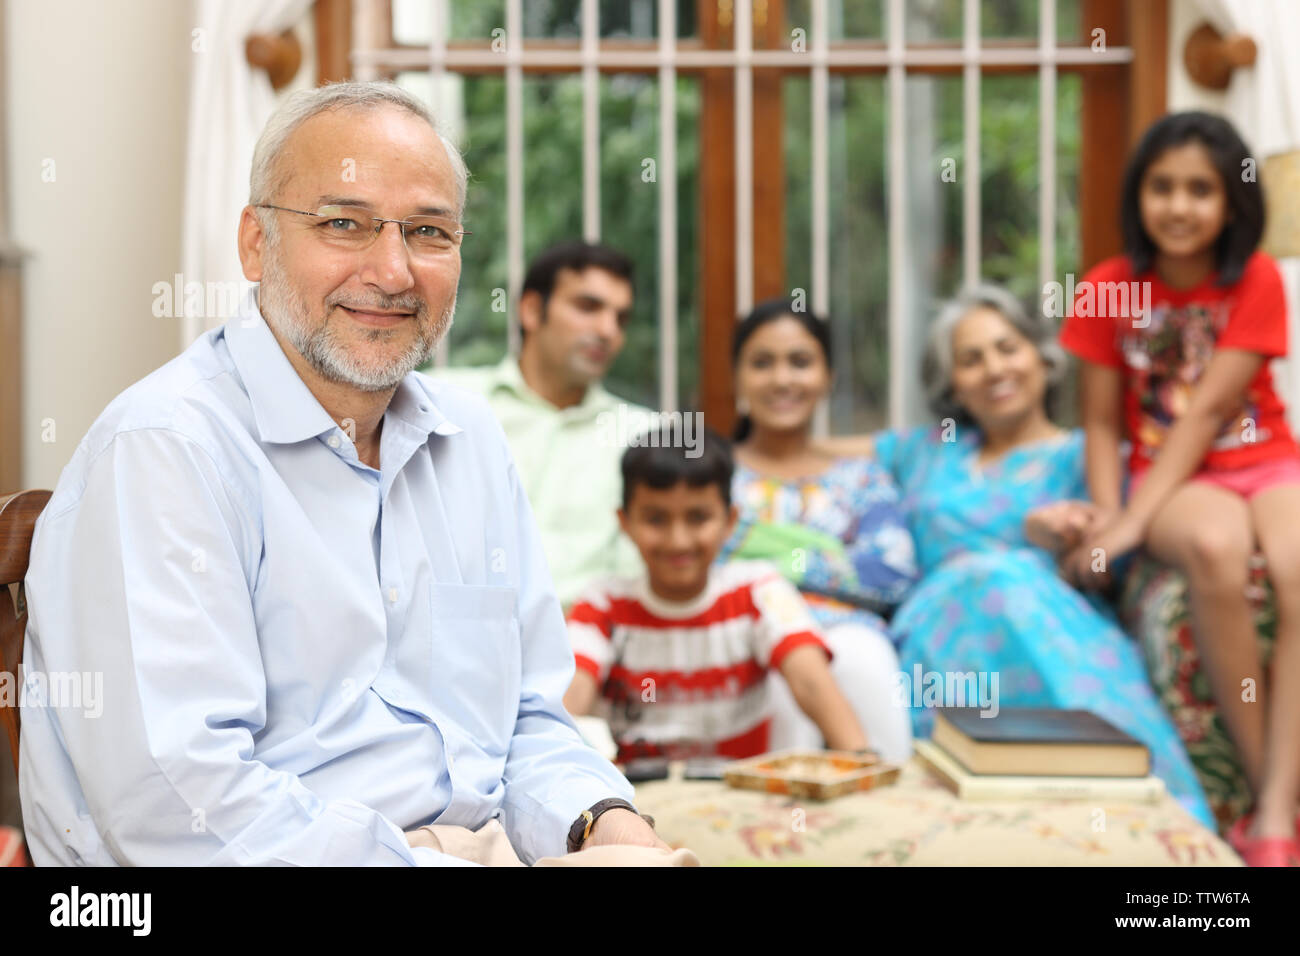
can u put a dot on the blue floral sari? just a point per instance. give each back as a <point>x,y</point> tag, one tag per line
<point>989,601</point>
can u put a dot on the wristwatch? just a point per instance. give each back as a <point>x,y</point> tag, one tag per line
<point>581,828</point>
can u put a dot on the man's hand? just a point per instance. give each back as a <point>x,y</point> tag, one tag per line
<point>622,827</point>
<point>422,837</point>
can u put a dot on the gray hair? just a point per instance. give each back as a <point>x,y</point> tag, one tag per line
<point>267,179</point>
<point>937,361</point>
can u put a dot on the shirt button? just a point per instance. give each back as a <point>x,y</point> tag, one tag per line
<point>333,441</point>
<point>392,595</point>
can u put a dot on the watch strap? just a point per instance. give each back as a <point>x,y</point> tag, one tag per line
<point>581,828</point>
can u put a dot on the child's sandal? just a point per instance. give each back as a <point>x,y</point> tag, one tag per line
<point>1262,851</point>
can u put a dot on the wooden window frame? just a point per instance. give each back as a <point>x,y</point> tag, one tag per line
<point>1118,102</point>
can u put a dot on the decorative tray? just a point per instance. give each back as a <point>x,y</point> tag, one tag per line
<point>816,774</point>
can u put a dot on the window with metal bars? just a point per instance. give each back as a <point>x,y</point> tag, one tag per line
<point>871,155</point>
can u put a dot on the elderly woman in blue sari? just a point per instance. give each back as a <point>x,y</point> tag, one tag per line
<point>992,493</point>
<point>832,524</point>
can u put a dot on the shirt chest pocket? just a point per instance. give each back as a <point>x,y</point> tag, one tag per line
<point>475,660</point>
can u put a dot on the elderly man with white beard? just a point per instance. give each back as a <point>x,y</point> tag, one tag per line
<point>308,574</point>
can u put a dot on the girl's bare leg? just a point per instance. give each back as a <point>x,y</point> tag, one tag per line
<point>1277,523</point>
<point>1206,532</point>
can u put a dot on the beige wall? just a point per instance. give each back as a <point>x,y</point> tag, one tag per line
<point>102,88</point>
<point>99,88</point>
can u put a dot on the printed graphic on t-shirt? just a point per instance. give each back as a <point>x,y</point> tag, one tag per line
<point>1166,359</point>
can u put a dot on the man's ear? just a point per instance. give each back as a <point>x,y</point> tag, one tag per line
<point>532,310</point>
<point>622,520</point>
<point>733,515</point>
<point>252,243</point>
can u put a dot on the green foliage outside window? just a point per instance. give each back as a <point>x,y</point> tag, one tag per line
<point>858,153</point>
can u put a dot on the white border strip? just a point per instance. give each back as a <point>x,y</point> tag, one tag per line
<point>821,266</point>
<point>437,74</point>
<point>1046,142</point>
<point>666,180</point>
<point>897,182</point>
<point>366,43</point>
<point>744,159</point>
<point>514,167</point>
<point>970,173</point>
<point>590,121</point>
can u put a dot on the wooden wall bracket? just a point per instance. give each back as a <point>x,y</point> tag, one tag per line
<point>279,55</point>
<point>1210,57</point>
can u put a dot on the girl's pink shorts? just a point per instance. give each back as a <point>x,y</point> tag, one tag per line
<point>1247,482</point>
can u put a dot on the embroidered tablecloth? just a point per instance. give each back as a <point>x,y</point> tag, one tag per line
<point>918,822</point>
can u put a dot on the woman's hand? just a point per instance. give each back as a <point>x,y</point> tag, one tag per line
<point>1088,565</point>
<point>1061,525</point>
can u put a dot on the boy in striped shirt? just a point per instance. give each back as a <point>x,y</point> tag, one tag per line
<point>681,654</point>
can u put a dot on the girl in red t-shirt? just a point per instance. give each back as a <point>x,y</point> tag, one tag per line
<point>1176,338</point>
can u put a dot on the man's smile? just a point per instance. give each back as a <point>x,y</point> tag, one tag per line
<point>381,320</point>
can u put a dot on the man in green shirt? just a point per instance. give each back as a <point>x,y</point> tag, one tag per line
<point>562,425</point>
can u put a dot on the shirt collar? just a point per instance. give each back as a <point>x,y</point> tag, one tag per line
<point>413,404</point>
<point>507,375</point>
<point>284,408</point>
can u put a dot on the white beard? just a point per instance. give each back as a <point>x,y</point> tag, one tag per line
<point>319,343</point>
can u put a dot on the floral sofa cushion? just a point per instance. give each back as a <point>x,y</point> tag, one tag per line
<point>1154,609</point>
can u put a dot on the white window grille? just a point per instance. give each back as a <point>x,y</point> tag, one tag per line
<point>373,53</point>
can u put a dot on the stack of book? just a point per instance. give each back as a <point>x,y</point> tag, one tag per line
<point>1031,753</point>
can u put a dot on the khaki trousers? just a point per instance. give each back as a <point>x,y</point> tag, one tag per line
<point>489,846</point>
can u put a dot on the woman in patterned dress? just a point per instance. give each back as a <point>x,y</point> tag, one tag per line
<point>831,523</point>
<point>990,493</point>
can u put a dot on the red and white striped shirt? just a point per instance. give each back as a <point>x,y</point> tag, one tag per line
<point>689,678</point>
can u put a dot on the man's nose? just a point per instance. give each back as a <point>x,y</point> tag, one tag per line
<point>607,324</point>
<point>387,263</point>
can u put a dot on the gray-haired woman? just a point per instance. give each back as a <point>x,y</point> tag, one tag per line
<point>990,604</point>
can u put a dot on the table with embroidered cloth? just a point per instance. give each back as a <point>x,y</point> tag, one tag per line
<point>918,822</point>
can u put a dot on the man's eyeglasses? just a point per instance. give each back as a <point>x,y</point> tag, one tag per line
<point>356,227</point>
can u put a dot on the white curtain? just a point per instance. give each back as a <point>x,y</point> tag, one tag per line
<point>1263,102</point>
<point>230,101</point>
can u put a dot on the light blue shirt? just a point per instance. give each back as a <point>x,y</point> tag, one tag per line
<point>301,656</point>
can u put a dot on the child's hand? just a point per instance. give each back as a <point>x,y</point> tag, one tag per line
<point>1098,517</point>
